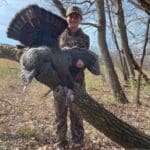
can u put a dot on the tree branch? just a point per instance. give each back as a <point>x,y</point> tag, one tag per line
<point>90,24</point>
<point>107,123</point>
<point>123,63</point>
<point>83,2</point>
<point>60,7</point>
<point>142,4</point>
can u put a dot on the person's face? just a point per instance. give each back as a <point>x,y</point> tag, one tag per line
<point>74,20</point>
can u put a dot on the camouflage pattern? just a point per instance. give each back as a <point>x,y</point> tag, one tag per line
<point>61,111</point>
<point>73,9</point>
<point>69,40</point>
<point>74,40</point>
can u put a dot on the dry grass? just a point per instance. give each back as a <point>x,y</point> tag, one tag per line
<point>27,119</point>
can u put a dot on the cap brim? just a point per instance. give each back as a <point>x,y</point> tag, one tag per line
<point>75,13</point>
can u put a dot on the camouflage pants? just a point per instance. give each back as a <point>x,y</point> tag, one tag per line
<point>61,111</point>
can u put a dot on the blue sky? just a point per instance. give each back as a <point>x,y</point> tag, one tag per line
<point>7,11</point>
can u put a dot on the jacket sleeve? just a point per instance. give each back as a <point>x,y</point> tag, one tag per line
<point>86,42</point>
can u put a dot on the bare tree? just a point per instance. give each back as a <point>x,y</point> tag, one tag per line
<point>117,90</point>
<point>141,63</point>
<point>132,64</point>
<point>124,38</point>
<point>142,4</point>
<point>124,67</point>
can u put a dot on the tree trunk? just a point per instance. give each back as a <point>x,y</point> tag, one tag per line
<point>117,90</point>
<point>107,123</point>
<point>132,64</point>
<point>141,63</point>
<point>124,68</point>
<point>124,38</point>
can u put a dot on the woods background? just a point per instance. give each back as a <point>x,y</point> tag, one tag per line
<point>122,28</point>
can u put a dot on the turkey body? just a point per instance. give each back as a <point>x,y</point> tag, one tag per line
<point>51,66</point>
<point>40,63</point>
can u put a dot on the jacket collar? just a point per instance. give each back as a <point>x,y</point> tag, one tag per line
<point>78,32</point>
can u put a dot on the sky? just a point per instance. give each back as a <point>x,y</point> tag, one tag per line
<point>8,8</point>
<point>7,11</point>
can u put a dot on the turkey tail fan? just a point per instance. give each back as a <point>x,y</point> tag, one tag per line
<point>34,26</point>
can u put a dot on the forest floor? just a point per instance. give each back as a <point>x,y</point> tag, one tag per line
<point>27,119</point>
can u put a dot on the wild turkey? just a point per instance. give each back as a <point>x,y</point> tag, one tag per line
<point>39,30</point>
<point>34,26</point>
<point>54,68</point>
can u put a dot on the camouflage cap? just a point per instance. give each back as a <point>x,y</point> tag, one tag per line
<point>73,9</point>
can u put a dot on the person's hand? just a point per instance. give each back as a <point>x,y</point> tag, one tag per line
<point>80,63</point>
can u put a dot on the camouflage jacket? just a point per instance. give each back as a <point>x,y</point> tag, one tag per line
<point>74,40</point>
<point>69,40</point>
